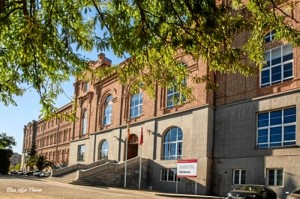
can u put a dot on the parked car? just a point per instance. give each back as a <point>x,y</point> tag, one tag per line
<point>295,194</point>
<point>44,174</point>
<point>249,191</point>
<point>29,173</point>
<point>37,173</point>
<point>20,172</point>
<point>13,172</point>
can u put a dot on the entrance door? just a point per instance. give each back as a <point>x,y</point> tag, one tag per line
<point>133,146</point>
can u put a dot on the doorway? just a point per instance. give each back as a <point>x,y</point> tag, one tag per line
<point>133,146</point>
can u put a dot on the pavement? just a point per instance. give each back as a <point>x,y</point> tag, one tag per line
<point>23,187</point>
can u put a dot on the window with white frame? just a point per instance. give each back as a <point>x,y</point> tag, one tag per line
<point>239,176</point>
<point>276,128</point>
<point>103,150</point>
<point>172,144</point>
<point>279,65</point>
<point>86,86</point>
<point>174,96</point>
<point>275,177</point>
<point>136,105</point>
<point>80,153</point>
<point>169,175</point>
<point>107,115</point>
<point>84,123</point>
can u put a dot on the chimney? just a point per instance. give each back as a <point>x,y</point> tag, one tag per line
<point>103,61</point>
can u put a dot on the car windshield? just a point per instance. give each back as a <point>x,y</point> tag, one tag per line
<point>248,188</point>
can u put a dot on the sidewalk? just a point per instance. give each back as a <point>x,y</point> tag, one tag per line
<point>174,195</point>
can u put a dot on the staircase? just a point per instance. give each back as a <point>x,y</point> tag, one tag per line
<point>104,173</point>
<point>67,178</point>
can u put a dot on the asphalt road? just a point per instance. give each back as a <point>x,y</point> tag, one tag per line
<point>16,187</point>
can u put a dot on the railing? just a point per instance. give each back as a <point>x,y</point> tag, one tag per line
<point>75,167</point>
<point>82,174</point>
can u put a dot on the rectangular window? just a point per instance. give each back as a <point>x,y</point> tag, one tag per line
<point>279,65</point>
<point>276,128</point>
<point>174,96</point>
<point>136,105</point>
<point>275,177</point>
<point>239,176</point>
<point>169,175</point>
<point>81,150</point>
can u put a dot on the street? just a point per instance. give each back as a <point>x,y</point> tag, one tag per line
<point>17,187</point>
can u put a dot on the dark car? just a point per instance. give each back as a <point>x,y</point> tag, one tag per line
<point>249,191</point>
<point>295,194</point>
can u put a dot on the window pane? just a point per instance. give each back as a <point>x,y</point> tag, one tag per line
<point>288,70</point>
<point>265,76</point>
<point>164,175</point>
<point>279,178</point>
<point>276,73</point>
<point>289,115</point>
<point>275,134</point>
<point>276,117</point>
<point>271,177</point>
<point>276,56</point>
<point>263,119</point>
<point>289,133</point>
<point>236,177</point>
<point>243,177</point>
<point>262,136</point>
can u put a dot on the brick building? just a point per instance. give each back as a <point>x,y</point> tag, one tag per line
<point>246,131</point>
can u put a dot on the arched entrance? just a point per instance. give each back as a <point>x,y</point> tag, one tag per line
<point>133,145</point>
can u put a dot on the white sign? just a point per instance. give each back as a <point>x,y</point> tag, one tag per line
<point>187,168</point>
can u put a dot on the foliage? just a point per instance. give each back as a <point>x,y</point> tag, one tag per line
<point>39,39</point>
<point>32,152</point>
<point>6,141</point>
<point>152,32</point>
<point>40,162</point>
<point>15,167</point>
<point>38,47</point>
<point>5,154</point>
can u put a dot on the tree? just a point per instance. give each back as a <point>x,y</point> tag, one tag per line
<point>36,39</point>
<point>41,162</point>
<point>6,141</point>
<point>5,154</point>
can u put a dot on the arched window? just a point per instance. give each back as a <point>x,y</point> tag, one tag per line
<point>136,105</point>
<point>84,123</point>
<point>172,144</point>
<point>103,150</point>
<point>107,113</point>
<point>270,36</point>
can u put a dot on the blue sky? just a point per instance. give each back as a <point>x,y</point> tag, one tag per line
<point>13,118</point>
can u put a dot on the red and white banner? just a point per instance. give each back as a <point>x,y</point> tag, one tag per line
<point>187,168</point>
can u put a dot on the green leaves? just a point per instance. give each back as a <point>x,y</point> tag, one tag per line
<point>6,141</point>
<point>38,48</point>
<point>39,42</point>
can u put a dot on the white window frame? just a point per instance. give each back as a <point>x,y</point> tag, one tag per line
<point>169,170</point>
<point>168,144</point>
<point>136,109</point>
<point>84,122</point>
<point>276,175</point>
<point>107,119</point>
<point>282,63</point>
<point>269,126</point>
<point>81,152</point>
<point>103,151</point>
<point>239,173</point>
